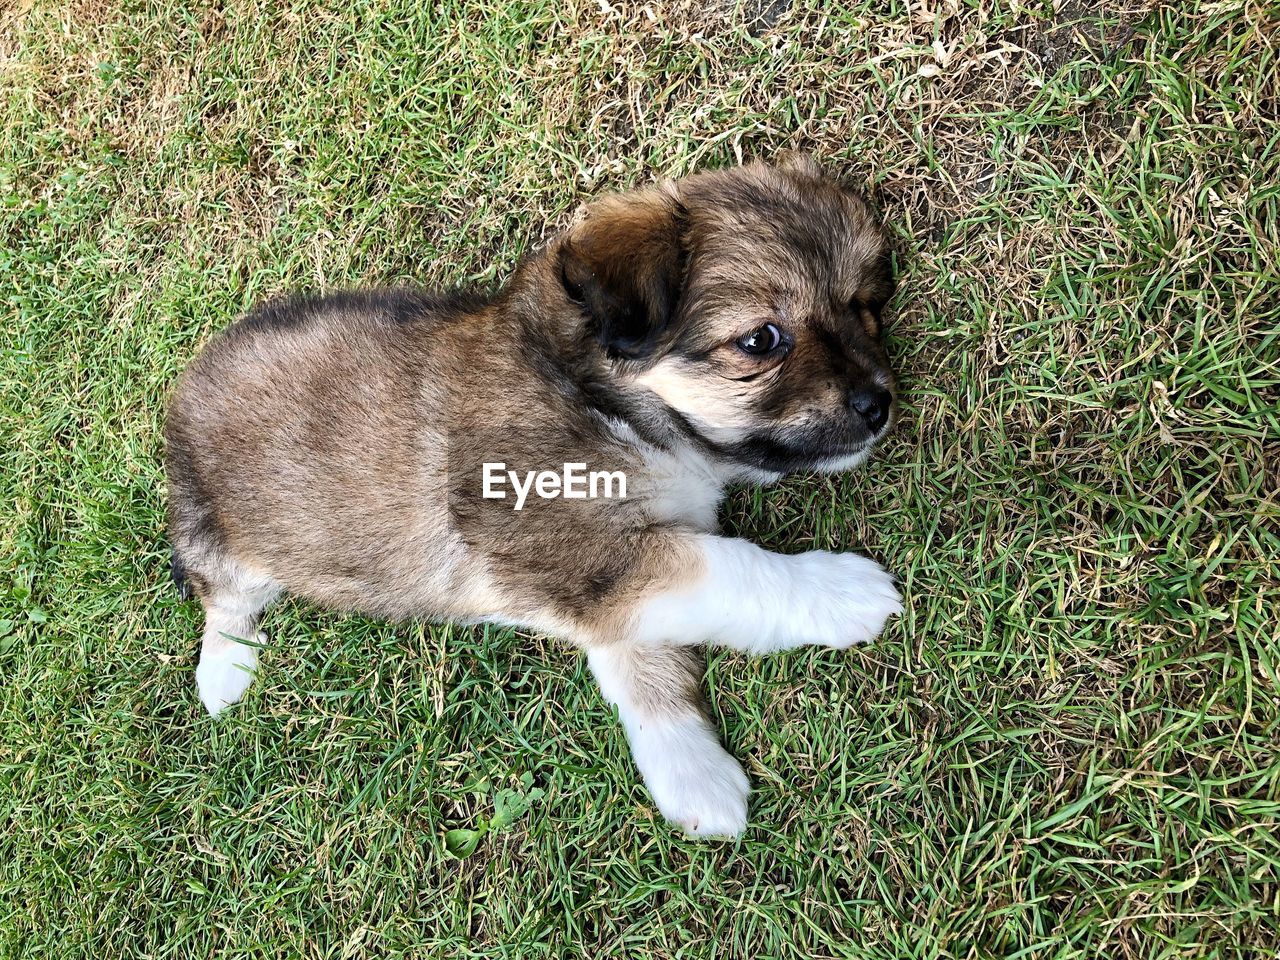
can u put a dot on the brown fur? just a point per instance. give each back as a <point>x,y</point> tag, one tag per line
<point>333,447</point>
<point>320,441</point>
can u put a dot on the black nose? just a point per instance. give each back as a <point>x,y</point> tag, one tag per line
<point>872,405</point>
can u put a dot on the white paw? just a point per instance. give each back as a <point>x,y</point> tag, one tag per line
<point>225,672</point>
<point>694,781</point>
<point>847,599</point>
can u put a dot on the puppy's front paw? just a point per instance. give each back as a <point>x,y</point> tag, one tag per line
<point>851,598</point>
<point>695,782</point>
<point>225,672</point>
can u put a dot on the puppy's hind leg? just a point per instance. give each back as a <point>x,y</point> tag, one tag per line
<point>693,779</point>
<point>232,602</point>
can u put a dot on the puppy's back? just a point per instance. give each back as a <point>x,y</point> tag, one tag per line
<point>301,441</point>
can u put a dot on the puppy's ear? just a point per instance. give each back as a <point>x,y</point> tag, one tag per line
<point>625,265</point>
<point>800,163</point>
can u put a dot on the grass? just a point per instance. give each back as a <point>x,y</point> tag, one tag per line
<point>1068,747</point>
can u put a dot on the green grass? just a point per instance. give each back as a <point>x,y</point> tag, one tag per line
<point>1068,747</point>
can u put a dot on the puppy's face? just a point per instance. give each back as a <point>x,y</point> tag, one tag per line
<point>748,300</point>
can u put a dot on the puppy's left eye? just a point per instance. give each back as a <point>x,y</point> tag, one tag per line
<point>761,340</point>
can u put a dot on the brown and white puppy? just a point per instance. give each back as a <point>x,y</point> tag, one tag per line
<point>723,327</point>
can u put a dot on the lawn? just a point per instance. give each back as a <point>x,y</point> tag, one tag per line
<point>1069,746</point>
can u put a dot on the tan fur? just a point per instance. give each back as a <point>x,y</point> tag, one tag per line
<point>333,448</point>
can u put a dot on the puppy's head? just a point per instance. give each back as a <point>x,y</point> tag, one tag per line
<point>748,300</point>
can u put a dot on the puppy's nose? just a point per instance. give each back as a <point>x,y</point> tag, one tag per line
<point>872,405</point>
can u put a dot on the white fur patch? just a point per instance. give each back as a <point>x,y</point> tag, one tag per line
<point>757,601</point>
<point>226,669</point>
<point>846,462</point>
<point>677,485</point>
<point>694,781</point>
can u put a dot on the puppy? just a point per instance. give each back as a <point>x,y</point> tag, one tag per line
<point>368,451</point>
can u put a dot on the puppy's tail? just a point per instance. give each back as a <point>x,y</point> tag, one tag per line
<point>179,573</point>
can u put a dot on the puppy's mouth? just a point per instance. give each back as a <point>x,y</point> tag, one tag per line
<point>800,451</point>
